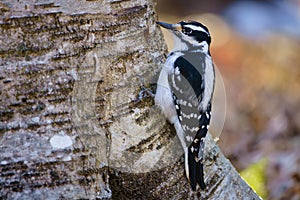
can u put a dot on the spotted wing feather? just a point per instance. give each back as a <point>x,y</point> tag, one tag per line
<point>187,86</point>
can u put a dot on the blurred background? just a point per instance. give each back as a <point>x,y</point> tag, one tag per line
<point>256,47</point>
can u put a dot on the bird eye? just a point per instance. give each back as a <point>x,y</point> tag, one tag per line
<point>187,30</point>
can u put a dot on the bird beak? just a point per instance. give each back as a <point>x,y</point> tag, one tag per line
<point>169,26</point>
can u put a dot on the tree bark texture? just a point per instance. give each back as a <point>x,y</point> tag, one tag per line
<point>71,126</point>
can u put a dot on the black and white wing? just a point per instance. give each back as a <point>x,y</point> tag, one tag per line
<point>187,85</point>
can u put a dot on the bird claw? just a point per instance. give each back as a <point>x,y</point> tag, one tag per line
<point>144,93</point>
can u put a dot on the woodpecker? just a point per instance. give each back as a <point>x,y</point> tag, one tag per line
<point>184,92</point>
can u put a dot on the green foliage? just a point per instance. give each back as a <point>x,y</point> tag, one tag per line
<point>255,176</point>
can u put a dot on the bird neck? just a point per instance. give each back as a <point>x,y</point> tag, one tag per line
<point>192,51</point>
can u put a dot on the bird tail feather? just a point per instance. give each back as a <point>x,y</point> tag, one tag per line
<point>195,171</point>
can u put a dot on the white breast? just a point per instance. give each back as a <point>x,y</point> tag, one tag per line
<point>163,96</point>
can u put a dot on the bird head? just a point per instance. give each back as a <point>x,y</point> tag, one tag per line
<point>190,35</point>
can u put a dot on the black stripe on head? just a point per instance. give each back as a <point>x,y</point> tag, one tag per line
<point>201,36</point>
<point>198,35</point>
<point>195,24</point>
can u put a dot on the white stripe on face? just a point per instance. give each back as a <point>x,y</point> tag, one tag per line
<point>196,28</point>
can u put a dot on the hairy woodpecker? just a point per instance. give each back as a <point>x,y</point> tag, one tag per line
<point>184,92</point>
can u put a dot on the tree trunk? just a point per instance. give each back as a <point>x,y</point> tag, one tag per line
<point>71,126</point>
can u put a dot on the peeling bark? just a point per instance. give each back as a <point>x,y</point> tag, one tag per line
<point>70,124</point>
